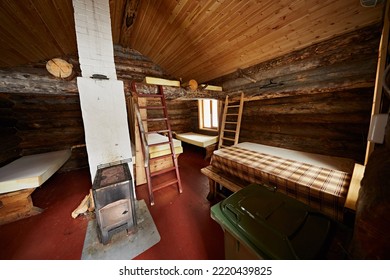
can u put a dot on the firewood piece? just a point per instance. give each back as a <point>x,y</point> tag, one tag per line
<point>91,202</point>
<point>59,68</point>
<point>82,208</point>
<point>191,85</point>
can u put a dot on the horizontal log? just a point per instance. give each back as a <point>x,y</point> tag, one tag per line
<point>53,108</point>
<point>128,54</point>
<point>59,122</point>
<point>5,102</point>
<point>9,141</point>
<point>296,119</point>
<point>339,131</point>
<point>312,145</point>
<point>8,155</point>
<point>42,99</point>
<point>34,115</point>
<point>51,137</point>
<point>23,81</point>
<point>324,103</point>
<point>7,121</point>
<point>75,162</point>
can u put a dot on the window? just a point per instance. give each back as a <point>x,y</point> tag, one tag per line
<point>208,114</point>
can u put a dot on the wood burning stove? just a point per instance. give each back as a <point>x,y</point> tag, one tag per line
<point>114,201</point>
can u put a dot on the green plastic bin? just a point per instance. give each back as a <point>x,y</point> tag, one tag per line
<point>260,223</point>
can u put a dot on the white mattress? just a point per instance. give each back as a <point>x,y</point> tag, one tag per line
<point>31,171</point>
<point>160,150</point>
<point>335,163</point>
<point>197,139</point>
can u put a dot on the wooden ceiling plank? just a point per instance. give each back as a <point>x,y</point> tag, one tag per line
<point>177,32</point>
<point>211,31</point>
<point>65,42</point>
<point>217,32</point>
<point>26,32</point>
<point>271,50</point>
<point>142,20</point>
<point>160,28</point>
<point>117,12</point>
<point>190,39</point>
<point>226,46</point>
<point>15,33</point>
<point>32,22</point>
<point>297,39</point>
<point>230,42</point>
<point>154,15</point>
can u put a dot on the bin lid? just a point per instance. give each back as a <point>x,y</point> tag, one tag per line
<point>278,226</point>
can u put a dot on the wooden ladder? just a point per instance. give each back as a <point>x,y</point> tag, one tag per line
<point>231,123</point>
<point>144,140</point>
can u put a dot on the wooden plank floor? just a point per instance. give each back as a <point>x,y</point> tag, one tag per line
<point>183,220</point>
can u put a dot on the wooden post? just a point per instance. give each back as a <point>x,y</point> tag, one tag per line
<point>379,74</point>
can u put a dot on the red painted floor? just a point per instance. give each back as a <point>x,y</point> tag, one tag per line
<point>183,220</point>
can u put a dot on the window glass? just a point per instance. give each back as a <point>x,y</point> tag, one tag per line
<point>208,114</point>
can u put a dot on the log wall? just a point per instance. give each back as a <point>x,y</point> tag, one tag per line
<point>317,99</point>
<point>9,141</point>
<point>179,113</point>
<point>40,113</point>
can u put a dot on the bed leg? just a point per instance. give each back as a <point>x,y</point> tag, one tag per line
<point>17,205</point>
<point>213,190</point>
<point>209,151</point>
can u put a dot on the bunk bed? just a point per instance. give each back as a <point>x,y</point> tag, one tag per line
<point>317,180</point>
<point>155,151</point>
<point>160,150</point>
<point>209,143</point>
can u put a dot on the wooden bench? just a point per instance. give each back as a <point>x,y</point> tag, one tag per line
<point>218,178</point>
<point>21,177</point>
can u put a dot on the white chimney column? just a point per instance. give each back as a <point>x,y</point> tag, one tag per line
<point>102,100</point>
<point>94,38</point>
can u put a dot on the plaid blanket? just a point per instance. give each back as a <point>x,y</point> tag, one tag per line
<point>323,189</point>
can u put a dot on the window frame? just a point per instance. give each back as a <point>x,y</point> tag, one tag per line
<point>201,114</point>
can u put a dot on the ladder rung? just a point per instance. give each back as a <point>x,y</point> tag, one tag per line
<point>163,156</point>
<point>155,119</point>
<point>231,122</point>
<point>229,130</point>
<point>163,171</point>
<point>152,107</point>
<point>233,106</point>
<point>232,114</point>
<point>164,184</point>
<point>227,138</point>
<point>158,144</point>
<point>150,95</point>
<point>157,131</point>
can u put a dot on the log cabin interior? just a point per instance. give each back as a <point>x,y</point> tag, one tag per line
<point>310,78</point>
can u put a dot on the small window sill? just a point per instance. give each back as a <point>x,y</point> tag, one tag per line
<point>209,129</point>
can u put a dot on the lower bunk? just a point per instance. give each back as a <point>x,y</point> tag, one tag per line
<point>209,143</point>
<point>322,182</point>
